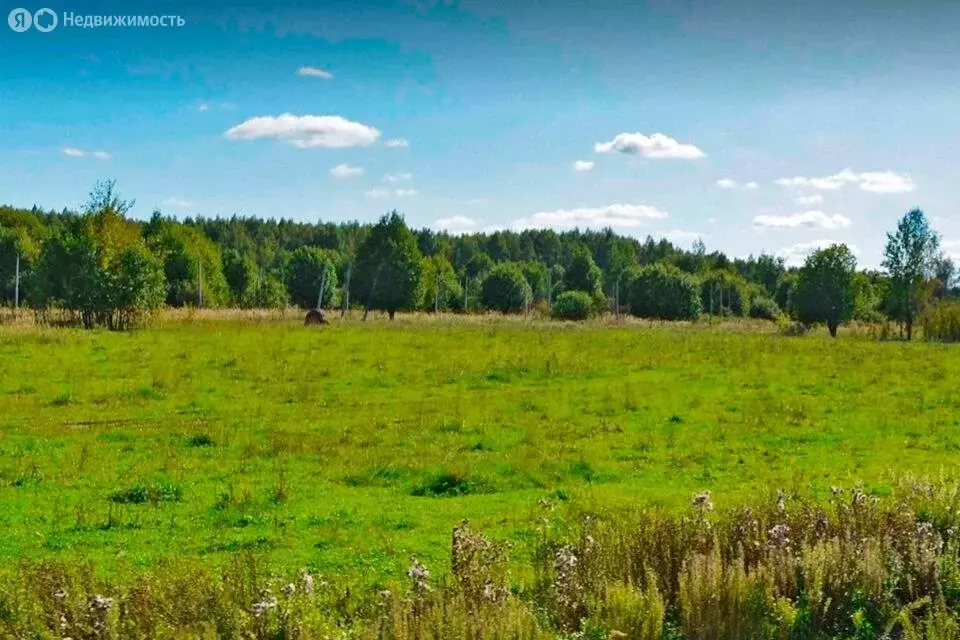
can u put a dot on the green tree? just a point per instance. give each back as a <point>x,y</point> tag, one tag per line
<point>505,289</point>
<point>538,278</point>
<point>910,258</point>
<point>723,292</point>
<point>240,272</point>
<point>664,292</point>
<point>191,263</point>
<point>441,287</point>
<point>308,269</point>
<point>583,274</point>
<point>824,290</point>
<point>573,305</point>
<point>388,267</point>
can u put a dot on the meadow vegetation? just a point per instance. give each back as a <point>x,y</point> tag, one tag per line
<point>188,473</point>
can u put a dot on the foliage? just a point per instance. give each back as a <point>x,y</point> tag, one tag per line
<point>764,308</point>
<point>584,275</point>
<point>538,277</point>
<point>240,272</point>
<point>189,261</point>
<point>388,268</point>
<point>724,293</point>
<point>268,292</point>
<point>910,257</point>
<point>505,289</point>
<point>824,289</point>
<point>441,287</point>
<point>664,292</point>
<point>308,269</point>
<point>573,305</point>
<point>941,322</point>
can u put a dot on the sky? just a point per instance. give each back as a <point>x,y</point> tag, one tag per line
<point>755,126</point>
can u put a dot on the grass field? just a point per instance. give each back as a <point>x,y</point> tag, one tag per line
<point>349,448</point>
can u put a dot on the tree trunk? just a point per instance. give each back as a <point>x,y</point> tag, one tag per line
<point>909,328</point>
<point>391,312</point>
<point>832,326</point>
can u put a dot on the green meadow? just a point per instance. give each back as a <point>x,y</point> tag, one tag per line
<point>347,449</point>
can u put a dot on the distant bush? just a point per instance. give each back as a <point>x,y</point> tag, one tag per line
<point>505,289</point>
<point>941,322</point>
<point>764,308</point>
<point>664,292</point>
<point>794,329</point>
<point>721,290</point>
<point>573,305</point>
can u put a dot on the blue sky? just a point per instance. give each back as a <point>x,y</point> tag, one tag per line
<point>754,125</point>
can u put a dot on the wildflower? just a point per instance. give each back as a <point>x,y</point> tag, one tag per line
<point>858,498</point>
<point>264,604</point>
<point>418,574</point>
<point>289,589</point>
<point>60,593</point>
<point>781,501</point>
<point>702,503</point>
<point>101,604</point>
<point>836,491</point>
<point>778,536</point>
<point>307,581</point>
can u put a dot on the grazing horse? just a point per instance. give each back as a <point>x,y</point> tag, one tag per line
<point>315,316</point>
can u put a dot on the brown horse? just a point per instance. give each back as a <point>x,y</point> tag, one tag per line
<point>315,316</point>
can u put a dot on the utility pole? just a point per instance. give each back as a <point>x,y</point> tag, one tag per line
<point>436,294</point>
<point>346,292</point>
<point>16,286</point>
<point>323,285</point>
<point>199,282</point>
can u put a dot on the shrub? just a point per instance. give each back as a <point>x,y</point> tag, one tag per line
<point>724,290</point>
<point>572,305</point>
<point>941,322</point>
<point>505,289</point>
<point>794,329</point>
<point>664,292</point>
<point>764,308</point>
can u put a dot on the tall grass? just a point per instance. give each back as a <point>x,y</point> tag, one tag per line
<point>852,566</point>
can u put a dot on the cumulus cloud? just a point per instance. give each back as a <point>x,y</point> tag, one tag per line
<point>73,152</point>
<point>306,131</point>
<point>343,171</point>
<point>314,72</point>
<point>815,219</point>
<point>614,215</point>
<point>456,224</point>
<point>795,255</point>
<point>874,181</point>
<point>728,184</point>
<point>397,177</point>
<point>583,165</point>
<point>809,200</point>
<point>657,145</point>
<point>398,142</point>
<point>383,193</point>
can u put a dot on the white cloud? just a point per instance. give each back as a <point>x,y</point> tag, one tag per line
<point>397,177</point>
<point>343,171</point>
<point>203,107</point>
<point>456,224</point>
<point>178,202</point>
<point>807,220</point>
<point>809,200</point>
<point>583,165</point>
<point>306,131</point>
<point>73,152</point>
<point>398,142</point>
<point>795,255</point>
<point>727,183</point>
<point>474,201</point>
<point>657,145</point>
<point>314,72</point>
<point>711,220</point>
<point>874,181</point>
<point>614,215</point>
<point>383,193</point>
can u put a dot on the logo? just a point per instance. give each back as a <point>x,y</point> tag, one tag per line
<point>20,20</point>
<point>44,20</point>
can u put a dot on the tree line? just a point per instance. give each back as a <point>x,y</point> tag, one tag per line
<point>99,267</point>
